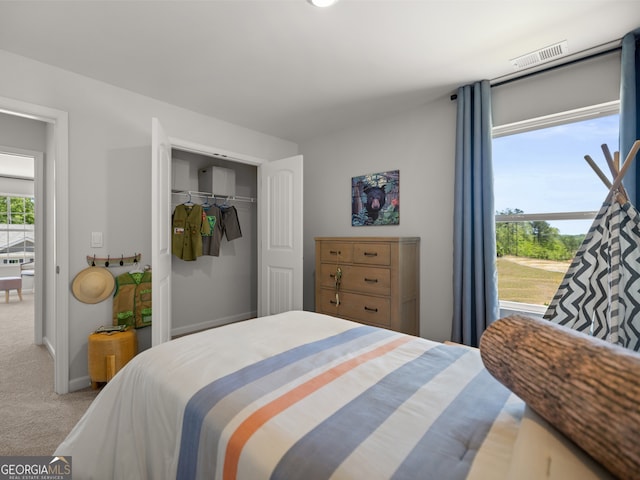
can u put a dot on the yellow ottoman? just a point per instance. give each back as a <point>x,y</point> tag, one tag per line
<point>108,353</point>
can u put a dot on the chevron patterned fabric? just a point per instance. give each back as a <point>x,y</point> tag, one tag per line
<point>600,294</point>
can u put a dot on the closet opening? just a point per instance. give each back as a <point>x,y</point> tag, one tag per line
<point>219,284</point>
<point>264,278</point>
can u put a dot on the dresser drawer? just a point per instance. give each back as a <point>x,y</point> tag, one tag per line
<point>360,279</point>
<point>326,302</point>
<point>326,277</point>
<point>335,252</point>
<point>360,308</point>
<point>365,308</point>
<point>366,280</point>
<point>372,253</point>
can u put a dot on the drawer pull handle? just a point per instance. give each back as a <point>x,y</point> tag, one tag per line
<point>371,280</point>
<point>375,310</point>
<point>333,302</point>
<point>335,252</point>
<point>370,254</point>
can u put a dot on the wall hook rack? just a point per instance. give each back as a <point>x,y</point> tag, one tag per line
<point>113,261</point>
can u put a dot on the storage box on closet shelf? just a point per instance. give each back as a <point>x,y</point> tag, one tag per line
<point>220,181</point>
<point>216,183</point>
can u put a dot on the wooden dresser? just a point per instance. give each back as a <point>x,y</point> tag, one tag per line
<point>379,280</point>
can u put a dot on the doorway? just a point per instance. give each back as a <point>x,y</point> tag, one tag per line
<point>52,276</point>
<point>21,178</point>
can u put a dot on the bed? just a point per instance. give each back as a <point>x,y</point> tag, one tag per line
<point>309,396</point>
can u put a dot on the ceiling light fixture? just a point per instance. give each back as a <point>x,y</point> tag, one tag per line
<point>322,3</point>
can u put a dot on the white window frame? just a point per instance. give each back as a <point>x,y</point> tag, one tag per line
<point>547,121</point>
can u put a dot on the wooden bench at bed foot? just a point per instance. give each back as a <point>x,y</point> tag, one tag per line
<point>11,283</point>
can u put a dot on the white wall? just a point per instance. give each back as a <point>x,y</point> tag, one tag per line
<point>582,84</point>
<point>110,168</point>
<point>23,134</point>
<point>419,143</point>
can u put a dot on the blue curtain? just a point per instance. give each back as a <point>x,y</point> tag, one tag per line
<point>630,110</point>
<point>475,293</point>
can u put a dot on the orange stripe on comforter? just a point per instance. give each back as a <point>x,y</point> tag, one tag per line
<point>256,420</point>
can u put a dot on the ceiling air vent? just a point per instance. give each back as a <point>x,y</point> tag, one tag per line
<point>543,55</point>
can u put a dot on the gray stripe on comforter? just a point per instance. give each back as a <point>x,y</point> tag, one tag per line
<point>206,398</point>
<point>448,448</point>
<point>341,433</point>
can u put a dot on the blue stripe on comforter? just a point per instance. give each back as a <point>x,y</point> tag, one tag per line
<point>343,431</point>
<point>448,448</point>
<point>205,399</point>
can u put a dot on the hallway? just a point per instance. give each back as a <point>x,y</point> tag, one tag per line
<point>33,419</point>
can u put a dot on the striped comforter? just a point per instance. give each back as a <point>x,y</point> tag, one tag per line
<point>299,395</point>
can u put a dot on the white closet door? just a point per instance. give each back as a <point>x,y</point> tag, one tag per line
<point>280,236</point>
<point>160,233</point>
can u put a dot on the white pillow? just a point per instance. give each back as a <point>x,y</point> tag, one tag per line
<point>541,452</point>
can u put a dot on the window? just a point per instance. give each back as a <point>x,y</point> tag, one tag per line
<point>16,229</point>
<point>546,196</point>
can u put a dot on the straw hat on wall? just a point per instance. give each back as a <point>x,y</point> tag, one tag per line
<point>93,285</point>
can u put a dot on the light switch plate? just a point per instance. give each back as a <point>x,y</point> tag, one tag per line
<point>96,239</point>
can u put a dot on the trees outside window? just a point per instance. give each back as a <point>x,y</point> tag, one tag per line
<point>17,219</point>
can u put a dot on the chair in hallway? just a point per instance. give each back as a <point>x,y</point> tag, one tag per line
<point>11,283</point>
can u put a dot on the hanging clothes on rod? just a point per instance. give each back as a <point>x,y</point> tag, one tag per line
<point>217,221</point>
<point>211,241</point>
<point>189,223</point>
<point>223,220</point>
<point>230,222</point>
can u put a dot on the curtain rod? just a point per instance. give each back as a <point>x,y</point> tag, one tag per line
<point>583,55</point>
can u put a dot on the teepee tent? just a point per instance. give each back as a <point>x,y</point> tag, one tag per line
<point>600,293</point>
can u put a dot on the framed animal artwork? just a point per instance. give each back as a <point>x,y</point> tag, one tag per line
<point>375,199</point>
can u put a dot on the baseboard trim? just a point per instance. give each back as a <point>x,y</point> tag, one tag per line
<point>79,383</point>
<point>49,346</point>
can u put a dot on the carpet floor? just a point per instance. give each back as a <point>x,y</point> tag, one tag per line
<point>33,419</point>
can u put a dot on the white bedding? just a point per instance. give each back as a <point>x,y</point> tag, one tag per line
<point>541,452</point>
<point>298,395</point>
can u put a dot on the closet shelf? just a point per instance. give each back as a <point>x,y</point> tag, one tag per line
<point>192,193</point>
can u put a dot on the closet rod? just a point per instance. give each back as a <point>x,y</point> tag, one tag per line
<point>191,193</point>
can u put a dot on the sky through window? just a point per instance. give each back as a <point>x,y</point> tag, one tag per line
<point>544,170</point>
